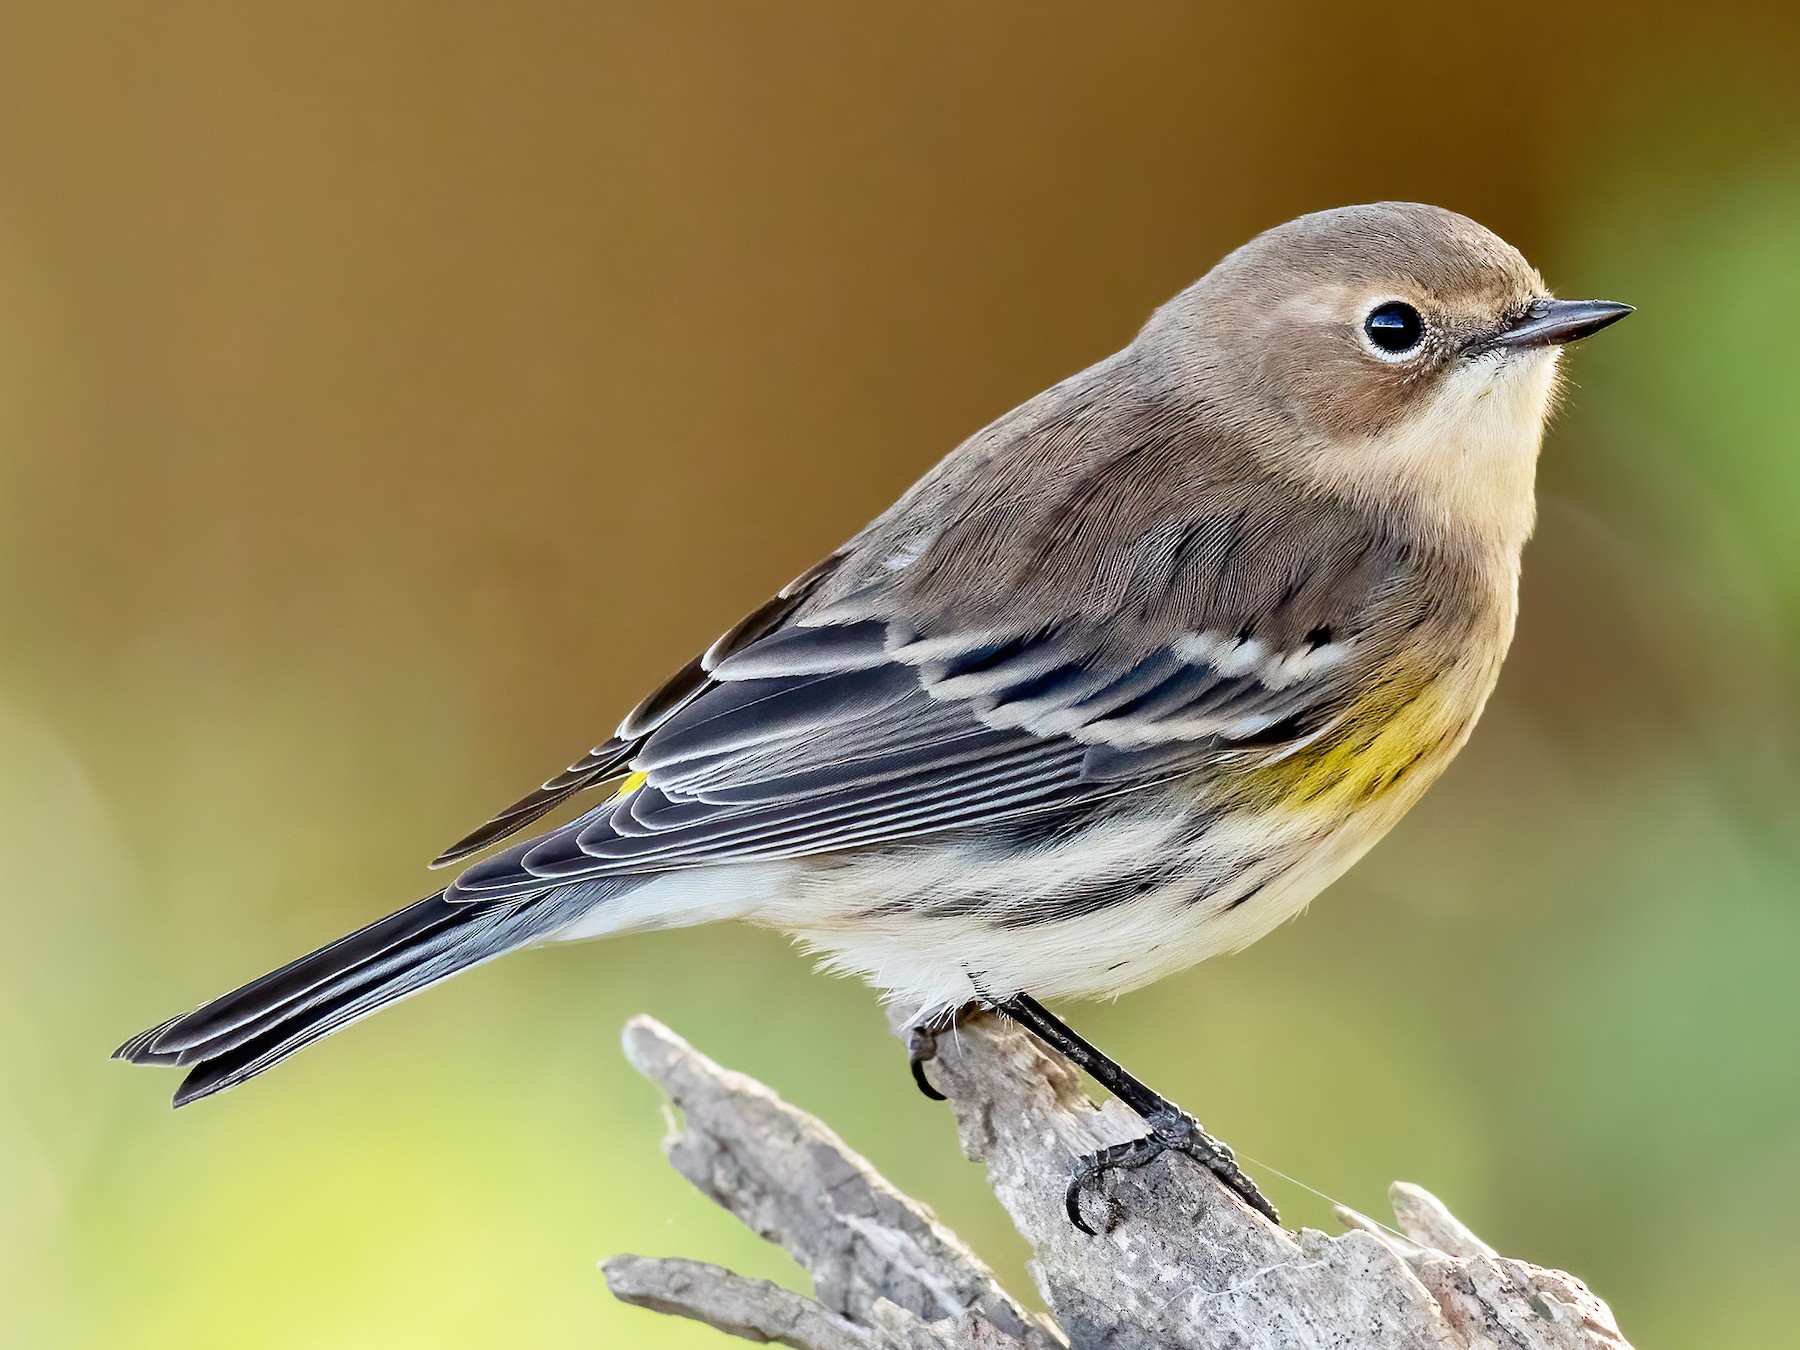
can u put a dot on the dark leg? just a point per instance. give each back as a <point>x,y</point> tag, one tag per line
<point>921,1046</point>
<point>1170,1126</point>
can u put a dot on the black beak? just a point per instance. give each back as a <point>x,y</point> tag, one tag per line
<point>1550,323</point>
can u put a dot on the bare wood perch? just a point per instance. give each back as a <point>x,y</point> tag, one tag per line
<point>1184,1263</point>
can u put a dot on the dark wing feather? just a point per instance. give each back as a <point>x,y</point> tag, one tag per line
<point>819,739</point>
<point>604,761</point>
<point>608,759</point>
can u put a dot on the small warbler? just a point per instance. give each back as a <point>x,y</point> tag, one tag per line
<point>1120,684</point>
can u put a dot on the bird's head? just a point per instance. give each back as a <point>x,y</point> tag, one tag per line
<point>1399,354</point>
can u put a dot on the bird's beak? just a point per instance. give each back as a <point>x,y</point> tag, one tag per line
<point>1550,323</point>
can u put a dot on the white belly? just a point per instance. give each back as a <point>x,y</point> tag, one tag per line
<point>988,927</point>
<point>940,925</point>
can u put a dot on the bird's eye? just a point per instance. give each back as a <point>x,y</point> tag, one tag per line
<point>1394,328</point>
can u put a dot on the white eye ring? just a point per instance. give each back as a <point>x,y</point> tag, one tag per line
<point>1393,330</point>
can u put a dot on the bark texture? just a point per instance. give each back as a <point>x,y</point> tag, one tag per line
<point>1180,1263</point>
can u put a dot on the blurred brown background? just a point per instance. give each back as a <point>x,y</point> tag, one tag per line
<point>390,392</point>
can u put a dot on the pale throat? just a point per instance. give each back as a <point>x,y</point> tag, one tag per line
<point>1466,462</point>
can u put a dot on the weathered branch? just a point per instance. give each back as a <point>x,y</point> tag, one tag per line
<point>1181,1262</point>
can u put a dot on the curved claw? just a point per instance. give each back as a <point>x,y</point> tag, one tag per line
<point>1086,1169</point>
<point>1130,1155</point>
<point>1181,1133</point>
<point>921,1048</point>
<point>918,1073</point>
<point>1072,1205</point>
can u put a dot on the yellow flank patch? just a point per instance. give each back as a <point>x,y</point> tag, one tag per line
<point>631,785</point>
<point>1397,728</point>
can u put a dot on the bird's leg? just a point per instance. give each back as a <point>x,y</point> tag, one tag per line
<point>1170,1126</point>
<point>921,1044</point>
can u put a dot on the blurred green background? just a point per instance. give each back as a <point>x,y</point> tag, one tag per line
<point>390,392</point>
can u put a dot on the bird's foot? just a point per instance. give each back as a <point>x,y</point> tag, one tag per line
<point>1170,1129</point>
<point>922,1043</point>
<point>921,1049</point>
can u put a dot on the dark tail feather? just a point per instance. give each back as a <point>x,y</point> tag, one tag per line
<point>237,1036</point>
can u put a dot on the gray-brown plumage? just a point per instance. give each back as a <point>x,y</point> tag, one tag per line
<point>1121,683</point>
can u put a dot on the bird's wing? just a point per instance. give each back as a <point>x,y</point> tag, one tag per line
<point>608,759</point>
<point>823,734</point>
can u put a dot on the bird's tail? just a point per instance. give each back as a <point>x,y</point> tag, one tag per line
<point>237,1036</point>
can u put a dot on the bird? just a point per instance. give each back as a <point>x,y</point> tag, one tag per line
<point>1121,684</point>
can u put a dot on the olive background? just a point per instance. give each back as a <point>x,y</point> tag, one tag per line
<point>391,392</point>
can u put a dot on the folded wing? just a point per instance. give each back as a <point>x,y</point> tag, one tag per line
<point>817,739</point>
